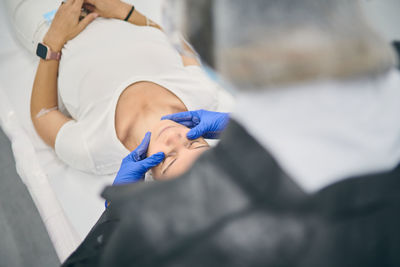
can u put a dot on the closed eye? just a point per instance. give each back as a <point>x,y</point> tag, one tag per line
<point>197,144</point>
<point>168,161</point>
<point>169,165</point>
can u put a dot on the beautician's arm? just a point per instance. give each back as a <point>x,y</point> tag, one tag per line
<point>64,27</point>
<point>117,9</point>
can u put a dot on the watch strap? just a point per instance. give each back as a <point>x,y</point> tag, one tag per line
<point>53,55</point>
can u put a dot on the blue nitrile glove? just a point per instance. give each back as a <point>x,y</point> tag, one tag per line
<point>207,124</point>
<point>135,165</point>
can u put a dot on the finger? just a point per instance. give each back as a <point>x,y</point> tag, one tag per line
<point>140,152</point>
<point>86,21</point>
<point>89,7</point>
<point>153,160</point>
<point>91,2</point>
<point>66,2</point>
<point>78,3</point>
<point>188,124</point>
<point>195,133</point>
<point>177,117</point>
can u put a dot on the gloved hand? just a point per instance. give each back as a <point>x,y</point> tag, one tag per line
<point>207,124</point>
<point>135,165</point>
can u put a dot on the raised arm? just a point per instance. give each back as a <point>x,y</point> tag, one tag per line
<point>44,114</point>
<point>116,9</point>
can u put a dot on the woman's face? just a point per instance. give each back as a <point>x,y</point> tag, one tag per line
<point>180,153</point>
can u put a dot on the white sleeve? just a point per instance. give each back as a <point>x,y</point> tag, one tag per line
<point>71,147</point>
<point>226,100</point>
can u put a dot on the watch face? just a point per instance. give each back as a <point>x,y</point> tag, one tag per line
<point>41,51</point>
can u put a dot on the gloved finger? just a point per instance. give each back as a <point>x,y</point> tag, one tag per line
<point>178,117</point>
<point>153,160</point>
<point>127,179</point>
<point>140,152</point>
<point>196,132</point>
<point>189,124</point>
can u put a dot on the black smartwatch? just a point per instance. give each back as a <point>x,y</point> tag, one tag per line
<point>44,52</point>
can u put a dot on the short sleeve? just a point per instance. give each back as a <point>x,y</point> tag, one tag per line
<point>71,147</point>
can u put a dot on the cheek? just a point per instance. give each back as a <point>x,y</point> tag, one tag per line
<point>156,172</point>
<point>154,147</point>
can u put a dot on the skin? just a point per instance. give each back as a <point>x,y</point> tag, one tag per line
<point>180,153</point>
<point>65,26</point>
<point>139,107</point>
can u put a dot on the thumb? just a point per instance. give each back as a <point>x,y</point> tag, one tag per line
<point>140,152</point>
<point>86,21</point>
<point>195,132</point>
<point>153,160</point>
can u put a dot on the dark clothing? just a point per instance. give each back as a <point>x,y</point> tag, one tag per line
<point>237,207</point>
<point>396,45</point>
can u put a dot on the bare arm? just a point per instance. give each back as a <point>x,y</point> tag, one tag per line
<point>65,26</point>
<point>189,56</point>
<point>44,96</point>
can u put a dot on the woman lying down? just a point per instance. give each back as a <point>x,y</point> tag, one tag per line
<point>117,79</point>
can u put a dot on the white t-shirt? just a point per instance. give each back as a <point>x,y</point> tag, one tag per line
<point>97,66</point>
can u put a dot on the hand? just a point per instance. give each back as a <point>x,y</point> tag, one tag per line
<point>113,9</point>
<point>135,165</point>
<point>66,24</point>
<point>207,124</point>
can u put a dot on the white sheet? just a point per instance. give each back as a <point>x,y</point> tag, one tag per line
<point>68,200</point>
